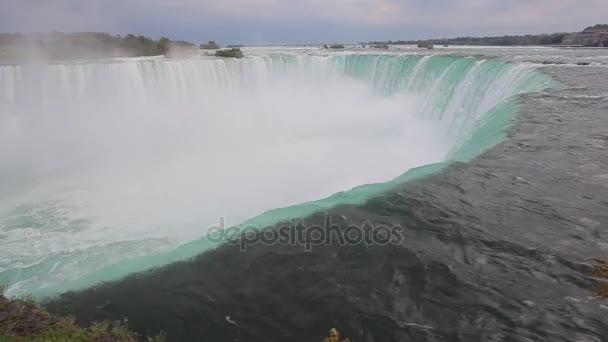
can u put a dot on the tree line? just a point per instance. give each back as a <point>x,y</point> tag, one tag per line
<point>538,39</point>
<point>57,45</point>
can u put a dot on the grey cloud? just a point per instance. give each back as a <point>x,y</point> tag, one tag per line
<point>334,19</point>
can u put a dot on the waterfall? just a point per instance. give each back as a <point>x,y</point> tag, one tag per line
<point>108,168</point>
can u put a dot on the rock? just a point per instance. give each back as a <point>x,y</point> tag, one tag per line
<point>425,45</point>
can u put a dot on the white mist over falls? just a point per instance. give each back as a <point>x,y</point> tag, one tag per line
<point>107,168</point>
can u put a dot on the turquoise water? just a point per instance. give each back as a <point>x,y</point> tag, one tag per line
<point>471,103</point>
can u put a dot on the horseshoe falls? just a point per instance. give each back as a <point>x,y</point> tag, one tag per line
<point>113,167</point>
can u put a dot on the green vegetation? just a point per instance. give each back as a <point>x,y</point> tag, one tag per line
<point>57,45</point>
<point>230,53</point>
<point>163,45</point>
<point>141,46</point>
<point>22,319</point>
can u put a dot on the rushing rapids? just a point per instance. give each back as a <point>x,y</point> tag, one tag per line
<point>110,168</point>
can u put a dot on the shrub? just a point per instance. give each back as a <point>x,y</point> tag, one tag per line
<point>230,53</point>
<point>21,319</point>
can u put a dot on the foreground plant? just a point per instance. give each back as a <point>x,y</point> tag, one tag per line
<point>21,319</point>
<point>334,336</point>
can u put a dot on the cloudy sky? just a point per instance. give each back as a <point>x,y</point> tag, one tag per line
<point>302,21</point>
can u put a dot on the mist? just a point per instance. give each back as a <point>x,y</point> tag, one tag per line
<point>104,161</point>
<point>159,150</point>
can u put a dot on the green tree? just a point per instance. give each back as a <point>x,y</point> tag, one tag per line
<point>163,45</point>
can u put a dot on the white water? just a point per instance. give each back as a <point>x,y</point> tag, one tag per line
<point>105,162</point>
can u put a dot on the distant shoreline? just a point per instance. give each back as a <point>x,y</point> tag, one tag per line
<point>593,36</point>
<point>83,45</point>
<point>97,45</point>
